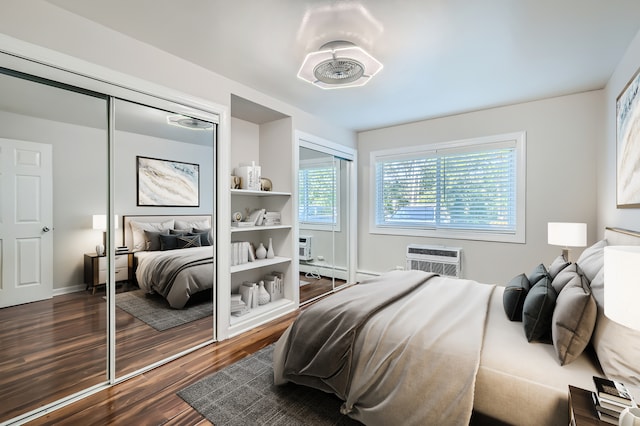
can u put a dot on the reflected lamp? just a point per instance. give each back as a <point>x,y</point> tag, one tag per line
<point>100,224</point>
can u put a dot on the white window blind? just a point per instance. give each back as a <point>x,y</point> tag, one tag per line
<point>317,193</point>
<point>473,186</point>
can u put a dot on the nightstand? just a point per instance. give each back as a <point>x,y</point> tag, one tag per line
<point>95,269</point>
<point>581,409</point>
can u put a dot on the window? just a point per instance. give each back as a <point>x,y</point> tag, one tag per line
<point>472,189</point>
<point>318,193</point>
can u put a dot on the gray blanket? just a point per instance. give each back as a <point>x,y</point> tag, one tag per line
<point>326,354</point>
<point>176,274</point>
<point>412,362</point>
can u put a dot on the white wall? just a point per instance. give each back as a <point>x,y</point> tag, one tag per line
<point>562,136</point>
<point>608,214</point>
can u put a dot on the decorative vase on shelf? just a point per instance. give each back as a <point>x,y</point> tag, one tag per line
<point>270,253</point>
<point>261,252</point>
<point>263,295</point>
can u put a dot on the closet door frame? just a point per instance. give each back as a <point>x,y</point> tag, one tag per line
<point>44,63</point>
<point>306,140</point>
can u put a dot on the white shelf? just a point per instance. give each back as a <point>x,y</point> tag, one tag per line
<point>258,228</point>
<point>260,310</point>
<point>259,264</point>
<point>259,193</point>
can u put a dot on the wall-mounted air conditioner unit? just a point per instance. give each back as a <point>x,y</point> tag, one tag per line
<point>305,248</point>
<point>439,259</point>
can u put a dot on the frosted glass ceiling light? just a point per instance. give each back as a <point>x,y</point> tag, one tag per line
<point>188,122</point>
<point>339,64</point>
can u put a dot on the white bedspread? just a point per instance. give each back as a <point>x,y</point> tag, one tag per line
<point>415,362</point>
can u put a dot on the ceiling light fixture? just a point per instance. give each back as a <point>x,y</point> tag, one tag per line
<point>188,122</point>
<point>339,64</point>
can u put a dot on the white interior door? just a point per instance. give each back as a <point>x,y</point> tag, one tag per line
<point>26,222</point>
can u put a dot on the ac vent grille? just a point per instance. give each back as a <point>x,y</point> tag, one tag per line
<point>444,261</point>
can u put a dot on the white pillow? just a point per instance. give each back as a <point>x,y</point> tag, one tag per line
<point>189,224</point>
<point>137,231</point>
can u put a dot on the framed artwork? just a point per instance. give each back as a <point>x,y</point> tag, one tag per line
<point>167,183</point>
<point>628,145</point>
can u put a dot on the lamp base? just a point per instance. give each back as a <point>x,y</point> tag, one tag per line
<point>565,254</point>
<point>100,250</point>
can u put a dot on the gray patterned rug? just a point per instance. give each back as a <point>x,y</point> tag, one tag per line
<point>154,310</point>
<point>244,394</point>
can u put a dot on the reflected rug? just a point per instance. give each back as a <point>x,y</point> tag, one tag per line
<point>244,394</point>
<point>155,311</point>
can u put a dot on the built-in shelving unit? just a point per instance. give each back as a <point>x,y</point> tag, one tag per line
<point>266,137</point>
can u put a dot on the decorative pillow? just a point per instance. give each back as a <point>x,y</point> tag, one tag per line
<point>189,224</point>
<point>514,295</point>
<point>169,242</point>
<point>574,319</point>
<point>537,312</point>
<point>153,239</point>
<point>558,264</point>
<point>138,228</point>
<point>179,231</point>
<point>564,277</point>
<point>187,241</point>
<point>592,259</point>
<point>537,274</point>
<point>205,236</point>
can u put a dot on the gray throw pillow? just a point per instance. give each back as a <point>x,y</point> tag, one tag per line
<point>574,319</point>
<point>188,241</point>
<point>153,239</point>
<point>558,264</point>
<point>592,259</point>
<point>169,242</point>
<point>565,276</point>
<point>514,295</point>
<point>206,236</point>
<point>537,311</point>
<point>537,274</point>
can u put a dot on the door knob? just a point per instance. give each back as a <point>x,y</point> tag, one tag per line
<point>46,229</point>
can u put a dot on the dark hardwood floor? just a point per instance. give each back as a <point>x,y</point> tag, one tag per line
<point>316,287</point>
<point>56,347</point>
<point>150,399</point>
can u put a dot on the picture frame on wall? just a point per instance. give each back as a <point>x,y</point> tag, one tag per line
<point>167,183</point>
<point>628,145</point>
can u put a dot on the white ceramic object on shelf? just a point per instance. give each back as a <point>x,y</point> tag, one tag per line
<point>261,252</point>
<point>263,295</point>
<point>270,253</point>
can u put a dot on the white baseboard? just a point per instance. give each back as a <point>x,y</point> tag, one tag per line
<point>69,289</point>
<point>324,269</point>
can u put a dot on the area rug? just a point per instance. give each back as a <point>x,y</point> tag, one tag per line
<point>244,394</point>
<point>156,312</point>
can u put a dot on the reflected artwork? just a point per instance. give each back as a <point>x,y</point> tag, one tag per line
<point>167,183</point>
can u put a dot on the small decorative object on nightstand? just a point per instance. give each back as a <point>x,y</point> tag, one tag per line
<point>95,269</point>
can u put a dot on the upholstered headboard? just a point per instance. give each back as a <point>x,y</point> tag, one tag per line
<point>128,232</point>
<point>621,237</point>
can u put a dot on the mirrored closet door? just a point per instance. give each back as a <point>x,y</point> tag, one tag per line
<point>324,220</point>
<point>164,196</point>
<point>53,180</point>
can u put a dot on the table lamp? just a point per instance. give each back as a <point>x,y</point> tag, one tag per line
<point>100,223</point>
<point>621,294</point>
<point>567,235</point>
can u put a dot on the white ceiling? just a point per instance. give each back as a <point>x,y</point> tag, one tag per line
<point>440,57</point>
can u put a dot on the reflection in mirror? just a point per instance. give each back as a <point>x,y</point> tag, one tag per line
<point>164,193</point>
<point>323,205</point>
<point>53,156</point>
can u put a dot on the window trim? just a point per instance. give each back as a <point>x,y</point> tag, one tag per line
<point>319,226</point>
<point>518,236</point>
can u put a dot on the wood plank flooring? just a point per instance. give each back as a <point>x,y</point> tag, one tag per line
<point>150,399</point>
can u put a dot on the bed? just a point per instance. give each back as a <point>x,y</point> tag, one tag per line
<point>435,350</point>
<point>173,255</point>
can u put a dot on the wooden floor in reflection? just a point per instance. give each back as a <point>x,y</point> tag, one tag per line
<point>313,287</point>
<point>56,347</point>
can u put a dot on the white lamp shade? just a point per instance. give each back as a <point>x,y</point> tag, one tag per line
<point>622,285</point>
<point>100,221</point>
<point>567,234</point>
